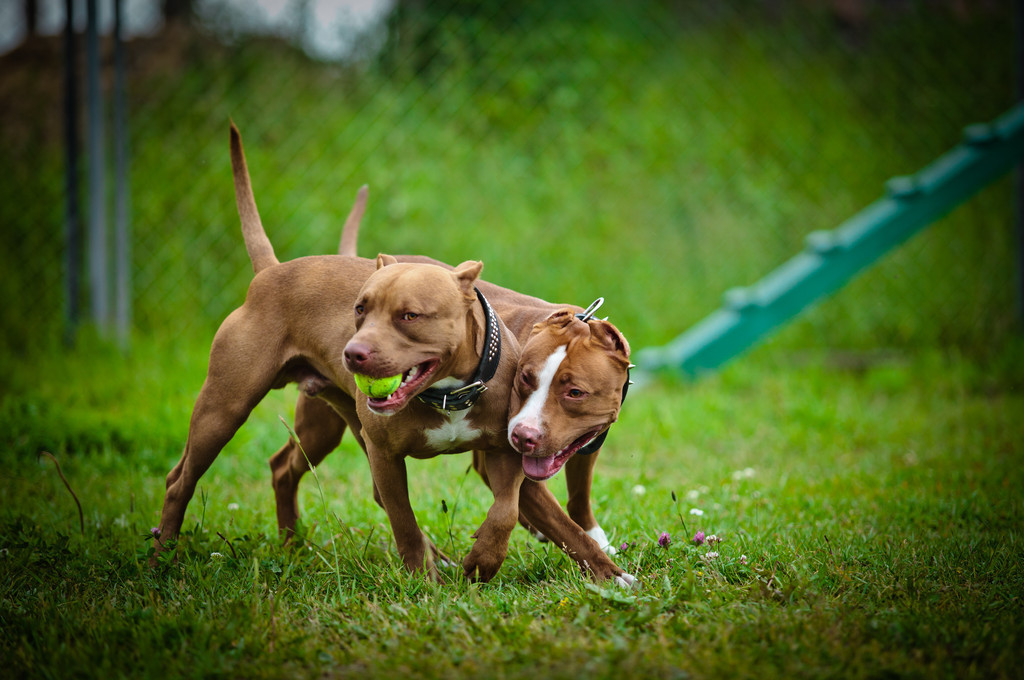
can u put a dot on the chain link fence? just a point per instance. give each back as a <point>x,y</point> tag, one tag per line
<point>652,153</point>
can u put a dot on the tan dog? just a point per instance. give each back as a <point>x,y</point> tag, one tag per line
<point>422,321</point>
<point>570,383</point>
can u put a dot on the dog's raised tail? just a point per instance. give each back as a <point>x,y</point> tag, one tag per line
<point>261,252</point>
<point>350,232</point>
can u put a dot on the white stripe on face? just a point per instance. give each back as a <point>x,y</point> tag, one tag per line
<point>532,410</point>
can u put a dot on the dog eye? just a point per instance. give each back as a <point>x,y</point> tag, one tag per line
<point>409,316</point>
<point>526,379</point>
<point>360,309</point>
<point>576,393</point>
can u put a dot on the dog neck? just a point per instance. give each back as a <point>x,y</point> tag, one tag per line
<point>460,398</point>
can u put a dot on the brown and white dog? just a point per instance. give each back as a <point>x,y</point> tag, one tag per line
<point>314,321</point>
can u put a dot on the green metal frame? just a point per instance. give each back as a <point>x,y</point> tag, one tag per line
<point>831,258</point>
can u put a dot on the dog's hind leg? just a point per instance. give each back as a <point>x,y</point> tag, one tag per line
<point>213,424</point>
<point>319,428</point>
<point>234,385</point>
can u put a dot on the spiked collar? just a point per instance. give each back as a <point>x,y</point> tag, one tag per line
<point>598,441</point>
<point>462,398</point>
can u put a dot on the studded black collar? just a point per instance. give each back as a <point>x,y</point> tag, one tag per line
<point>462,398</point>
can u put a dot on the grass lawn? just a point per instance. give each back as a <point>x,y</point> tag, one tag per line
<point>869,516</point>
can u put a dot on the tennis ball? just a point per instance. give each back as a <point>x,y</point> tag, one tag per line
<point>377,388</point>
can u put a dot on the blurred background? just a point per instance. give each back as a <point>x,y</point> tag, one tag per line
<point>654,153</point>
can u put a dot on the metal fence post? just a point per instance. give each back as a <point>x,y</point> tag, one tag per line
<point>1018,16</point>
<point>122,235</point>
<point>99,293</point>
<point>73,223</point>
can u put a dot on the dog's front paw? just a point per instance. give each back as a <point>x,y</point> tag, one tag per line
<point>627,581</point>
<point>597,533</point>
<point>482,564</point>
<point>420,562</point>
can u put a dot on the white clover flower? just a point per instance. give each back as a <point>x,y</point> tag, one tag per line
<point>712,555</point>
<point>232,506</point>
<point>696,512</point>
<point>745,473</point>
<point>639,490</point>
<point>743,559</point>
<point>216,555</point>
<point>692,495</point>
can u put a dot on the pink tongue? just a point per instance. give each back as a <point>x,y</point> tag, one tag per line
<point>539,468</point>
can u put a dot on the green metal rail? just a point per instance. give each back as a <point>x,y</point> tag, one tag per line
<point>831,258</point>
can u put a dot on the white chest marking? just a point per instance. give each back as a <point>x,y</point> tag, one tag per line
<point>533,410</point>
<point>455,431</point>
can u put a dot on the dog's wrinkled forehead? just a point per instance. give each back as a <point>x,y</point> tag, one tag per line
<point>424,289</point>
<point>593,349</point>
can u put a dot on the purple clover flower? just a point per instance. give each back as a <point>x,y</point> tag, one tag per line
<point>155,531</point>
<point>664,539</point>
<point>698,538</point>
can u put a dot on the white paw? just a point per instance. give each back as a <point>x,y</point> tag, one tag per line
<point>597,533</point>
<point>626,581</point>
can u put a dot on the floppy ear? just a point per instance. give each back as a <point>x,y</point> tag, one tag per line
<point>610,337</point>
<point>466,275</point>
<point>384,260</point>
<point>561,319</point>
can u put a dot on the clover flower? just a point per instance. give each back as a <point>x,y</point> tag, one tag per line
<point>698,538</point>
<point>745,473</point>
<point>155,532</point>
<point>664,539</point>
<point>696,512</point>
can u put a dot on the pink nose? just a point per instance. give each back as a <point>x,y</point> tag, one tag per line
<point>525,438</point>
<point>357,355</point>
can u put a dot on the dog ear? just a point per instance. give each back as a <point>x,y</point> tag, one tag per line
<point>384,260</point>
<point>561,319</point>
<point>466,275</point>
<point>609,336</point>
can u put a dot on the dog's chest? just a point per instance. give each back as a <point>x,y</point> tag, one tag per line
<point>455,432</point>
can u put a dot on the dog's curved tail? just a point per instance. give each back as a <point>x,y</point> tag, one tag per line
<point>261,252</point>
<point>350,232</point>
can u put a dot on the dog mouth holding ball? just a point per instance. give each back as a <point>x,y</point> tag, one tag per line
<point>386,395</point>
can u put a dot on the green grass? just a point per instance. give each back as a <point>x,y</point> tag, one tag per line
<point>878,508</point>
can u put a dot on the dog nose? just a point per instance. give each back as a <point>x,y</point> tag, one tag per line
<point>525,439</point>
<point>357,355</point>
